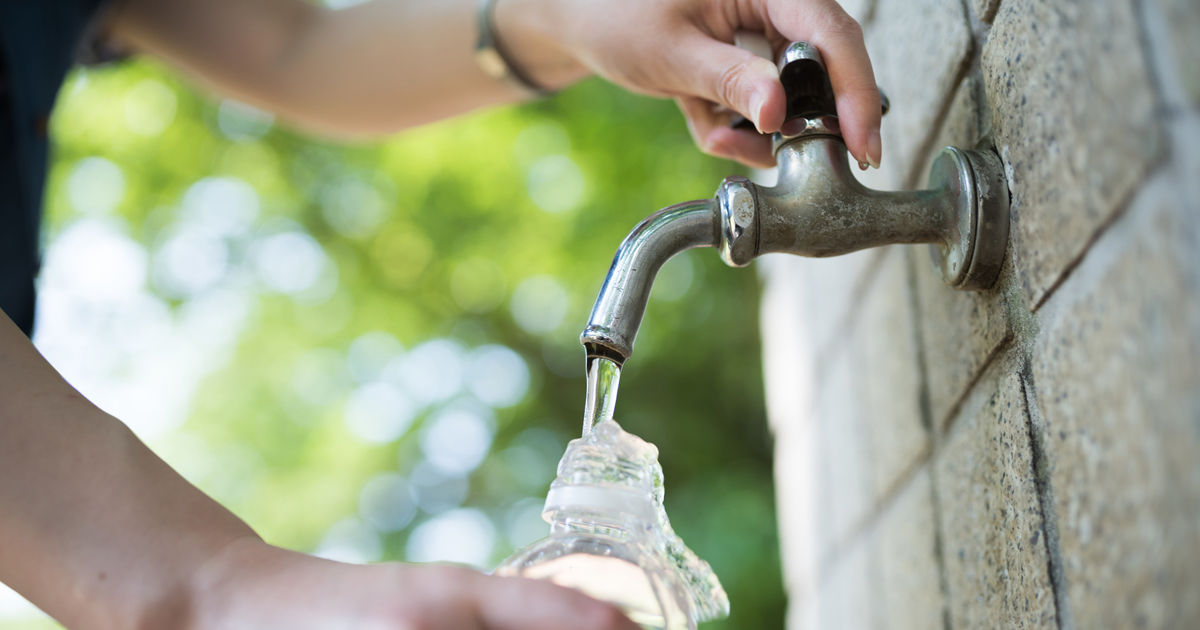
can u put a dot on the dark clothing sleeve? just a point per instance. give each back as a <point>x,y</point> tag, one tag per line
<point>39,42</point>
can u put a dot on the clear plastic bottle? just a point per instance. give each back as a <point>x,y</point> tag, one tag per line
<point>610,537</point>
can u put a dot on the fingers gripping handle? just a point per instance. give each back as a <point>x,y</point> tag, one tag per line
<point>804,78</point>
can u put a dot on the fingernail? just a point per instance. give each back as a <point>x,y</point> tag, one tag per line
<point>757,101</point>
<point>874,148</point>
<point>862,166</point>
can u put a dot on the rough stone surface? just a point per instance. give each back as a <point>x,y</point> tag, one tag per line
<point>919,48</point>
<point>961,332</point>
<point>906,555</point>
<point>788,372</point>
<point>848,596</point>
<point>787,352</point>
<point>964,124</point>
<point>1183,19</point>
<point>845,486</point>
<point>1074,119</point>
<point>796,495</point>
<point>994,544</point>
<point>887,374</point>
<point>1117,376</point>
<point>910,490</point>
<point>831,288</point>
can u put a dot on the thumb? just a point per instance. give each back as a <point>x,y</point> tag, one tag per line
<point>730,76</point>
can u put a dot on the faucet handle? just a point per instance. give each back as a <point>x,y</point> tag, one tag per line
<point>806,85</point>
<point>805,82</point>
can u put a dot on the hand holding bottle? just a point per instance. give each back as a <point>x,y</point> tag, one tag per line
<point>250,584</point>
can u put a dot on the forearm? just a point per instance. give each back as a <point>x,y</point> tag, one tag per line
<point>94,528</point>
<point>370,69</point>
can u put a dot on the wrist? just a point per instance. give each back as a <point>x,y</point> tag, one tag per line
<point>531,33</point>
<point>213,593</point>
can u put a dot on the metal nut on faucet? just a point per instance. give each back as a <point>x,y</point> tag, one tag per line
<point>738,213</point>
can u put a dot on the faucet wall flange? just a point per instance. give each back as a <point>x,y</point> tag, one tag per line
<point>972,255</point>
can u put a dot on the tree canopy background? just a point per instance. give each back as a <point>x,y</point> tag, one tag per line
<point>370,351</point>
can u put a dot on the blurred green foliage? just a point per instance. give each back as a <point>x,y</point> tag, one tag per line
<point>458,196</point>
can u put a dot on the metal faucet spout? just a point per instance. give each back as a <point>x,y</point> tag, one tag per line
<point>622,300</point>
<point>816,208</point>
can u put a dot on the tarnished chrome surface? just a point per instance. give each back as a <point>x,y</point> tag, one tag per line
<point>817,209</point>
<point>952,173</point>
<point>805,128</point>
<point>973,263</point>
<point>621,303</point>
<point>799,51</point>
<point>735,199</point>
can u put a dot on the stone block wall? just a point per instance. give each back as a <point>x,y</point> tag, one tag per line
<point>1029,456</point>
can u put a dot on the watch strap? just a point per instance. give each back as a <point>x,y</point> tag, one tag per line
<point>491,57</point>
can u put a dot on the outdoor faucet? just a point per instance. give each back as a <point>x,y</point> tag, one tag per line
<point>816,209</point>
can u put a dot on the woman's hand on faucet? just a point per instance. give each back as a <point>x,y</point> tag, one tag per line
<point>684,49</point>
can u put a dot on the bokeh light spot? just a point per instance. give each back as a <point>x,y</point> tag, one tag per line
<point>539,140</point>
<point>378,413</point>
<point>388,502</point>
<point>456,440</point>
<point>354,208</point>
<point>96,260</point>
<point>431,372</point>
<point>556,184</point>
<point>465,536</point>
<point>370,353</point>
<point>436,490</point>
<point>524,522</point>
<point>226,205</point>
<point>539,304</point>
<point>289,262</point>
<point>149,108</point>
<point>95,186</point>
<point>498,376</point>
<point>190,261</point>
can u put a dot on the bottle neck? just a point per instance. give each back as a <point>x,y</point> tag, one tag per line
<point>577,520</point>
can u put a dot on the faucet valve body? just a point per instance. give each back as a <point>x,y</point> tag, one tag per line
<point>818,209</point>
